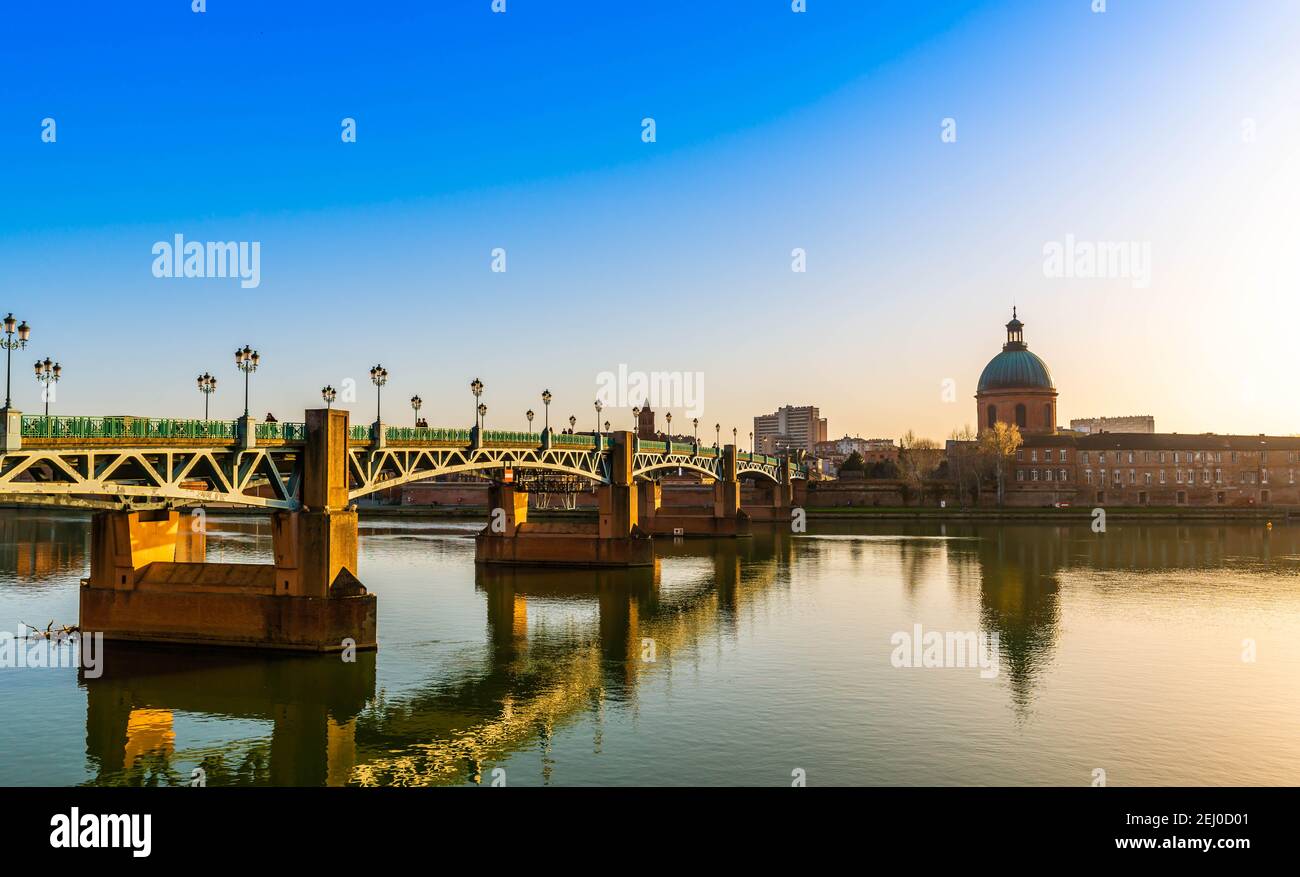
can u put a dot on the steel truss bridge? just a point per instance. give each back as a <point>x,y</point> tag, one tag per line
<point>140,463</point>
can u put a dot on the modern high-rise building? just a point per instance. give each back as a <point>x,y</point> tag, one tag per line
<point>798,427</point>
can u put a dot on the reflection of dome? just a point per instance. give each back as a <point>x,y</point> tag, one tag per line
<point>1015,368</point>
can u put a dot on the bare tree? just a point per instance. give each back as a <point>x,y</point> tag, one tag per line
<point>917,460</point>
<point>999,444</point>
<point>964,463</point>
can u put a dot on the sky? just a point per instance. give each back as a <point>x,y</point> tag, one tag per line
<point>1167,130</point>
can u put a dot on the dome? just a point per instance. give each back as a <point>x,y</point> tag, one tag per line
<point>1015,368</point>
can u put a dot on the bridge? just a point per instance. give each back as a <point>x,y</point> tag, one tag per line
<point>138,463</point>
<point>149,580</point>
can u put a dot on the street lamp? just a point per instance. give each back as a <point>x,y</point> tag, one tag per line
<point>733,436</point>
<point>10,345</point>
<point>416,402</point>
<point>636,420</point>
<point>717,441</point>
<point>546,401</point>
<point>573,421</point>
<point>476,387</point>
<point>695,424</point>
<point>207,386</point>
<point>246,361</point>
<point>751,441</point>
<point>482,413</point>
<point>606,426</point>
<point>378,377</point>
<point>668,416</point>
<point>47,373</point>
<point>529,414</point>
<point>329,394</point>
<point>598,407</point>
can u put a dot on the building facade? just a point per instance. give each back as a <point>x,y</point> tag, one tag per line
<point>1123,461</point>
<point>789,427</point>
<point>1137,423</point>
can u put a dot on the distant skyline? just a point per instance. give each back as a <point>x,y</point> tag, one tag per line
<point>1165,132</point>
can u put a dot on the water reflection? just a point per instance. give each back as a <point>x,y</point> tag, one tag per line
<point>559,647</point>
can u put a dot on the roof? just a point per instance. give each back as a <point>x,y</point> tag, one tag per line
<point>1164,441</point>
<point>1015,368</point>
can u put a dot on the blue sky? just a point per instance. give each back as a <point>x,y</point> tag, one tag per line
<point>774,130</point>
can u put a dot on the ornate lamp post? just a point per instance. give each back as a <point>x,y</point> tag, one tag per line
<point>573,421</point>
<point>10,345</point>
<point>751,441</point>
<point>482,413</point>
<point>529,415</point>
<point>733,436</point>
<point>246,361</point>
<point>668,416</point>
<point>717,441</point>
<point>636,420</point>
<point>476,387</point>
<point>606,426</point>
<point>378,377</point>
<point>598,407</point>
<point>207,386</point>
<point>695,424</point>
<point>546,402</point>
<point>329,394</point>
<point>416,402</point>
<point>47,373</point>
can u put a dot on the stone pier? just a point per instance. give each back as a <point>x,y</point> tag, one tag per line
<point>725,518</point>
<point>149,580</point>
<point>614,540</point>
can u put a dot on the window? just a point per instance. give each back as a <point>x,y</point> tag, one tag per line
<point>1161,455</point>
<point>1263,476</point>
<point>1146,479</point>
<point>1047,474</point>
<point>992,414</point>
<point>1020,454</point>
<point>1218,476</point>
<point>1182,497</point>
<point>1087,476</point>
<point>1047,455</point>
<point>1132,477</point>
<point>1062,476</point>
<point>1142,497</point>
<point>1033,456</point>
<point>1083,457</point>
<point>1162,476</point>
<point>1047,416</point>
<point>1130,456</point>
<point>1033,475</point>
<point>1119,477</point>
<point>1180,476</point>
<point>1064,460</point>
<point>1263,496</point>
<point>1218,497</point>
<point>1205,476</point>
<point>1234,456</point>
<point>1101,497</point>
<point>1020,474</point>
<point>1020,416</point>
<point>1178,457</point>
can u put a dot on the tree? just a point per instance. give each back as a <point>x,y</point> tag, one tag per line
<point>853,463</point>
<point>999,444</point>
<point>964,463</point>
<point>917,460</point>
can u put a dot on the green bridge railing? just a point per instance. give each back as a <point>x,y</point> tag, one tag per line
<point>417,434</point>
<point>39,426</point>
<point>565,440</point>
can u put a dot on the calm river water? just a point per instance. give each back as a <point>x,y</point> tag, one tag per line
<point>1159,653</point>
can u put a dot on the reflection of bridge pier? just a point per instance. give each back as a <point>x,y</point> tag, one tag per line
<point>149,581</point>
<point>311,701</point>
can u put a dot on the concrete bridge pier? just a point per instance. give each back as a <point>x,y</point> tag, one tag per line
<point>775,505</point>
<point>614,540</point>
<point>725,518</point>
<point>149,581</point>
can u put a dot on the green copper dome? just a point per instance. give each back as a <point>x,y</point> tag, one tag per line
<point>1015,368</point>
